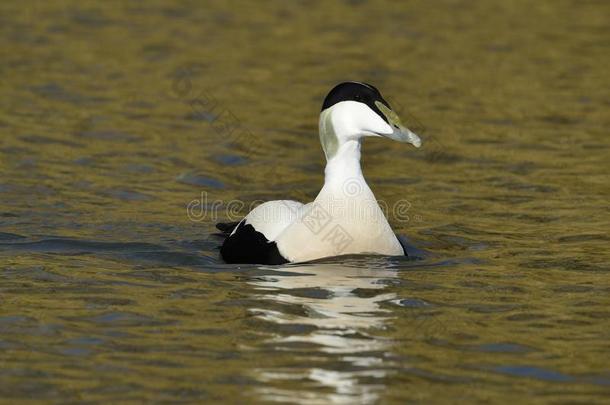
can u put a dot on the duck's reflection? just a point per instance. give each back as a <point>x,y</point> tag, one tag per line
<point>336,312</point>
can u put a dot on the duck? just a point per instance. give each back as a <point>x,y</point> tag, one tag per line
<point>345,217</point>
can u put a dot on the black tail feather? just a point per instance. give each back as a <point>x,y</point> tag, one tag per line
<point>226,227</point>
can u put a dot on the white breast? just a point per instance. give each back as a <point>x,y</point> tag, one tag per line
<point>338,223</point>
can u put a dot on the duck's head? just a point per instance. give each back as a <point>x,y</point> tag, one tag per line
<point>353,110</point>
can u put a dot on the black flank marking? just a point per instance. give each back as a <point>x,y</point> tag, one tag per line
<point>403,244</point>
<point>247,245</point>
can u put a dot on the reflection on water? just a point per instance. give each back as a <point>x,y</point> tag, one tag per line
<point>340,311</point>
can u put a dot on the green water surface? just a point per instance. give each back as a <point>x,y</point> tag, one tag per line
<point>117,116</point>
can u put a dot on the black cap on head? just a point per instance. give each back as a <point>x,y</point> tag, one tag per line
<point>355,91</point>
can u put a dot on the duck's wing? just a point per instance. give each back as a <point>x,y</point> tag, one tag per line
<point>272,217</point>
<point>252,240</point>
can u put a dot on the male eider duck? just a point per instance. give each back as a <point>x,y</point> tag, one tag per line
<point>345,217</point>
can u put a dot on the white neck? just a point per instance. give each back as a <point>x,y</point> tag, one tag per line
<point>344,165</point>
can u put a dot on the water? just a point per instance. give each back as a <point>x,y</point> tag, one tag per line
<point>120,124</point>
